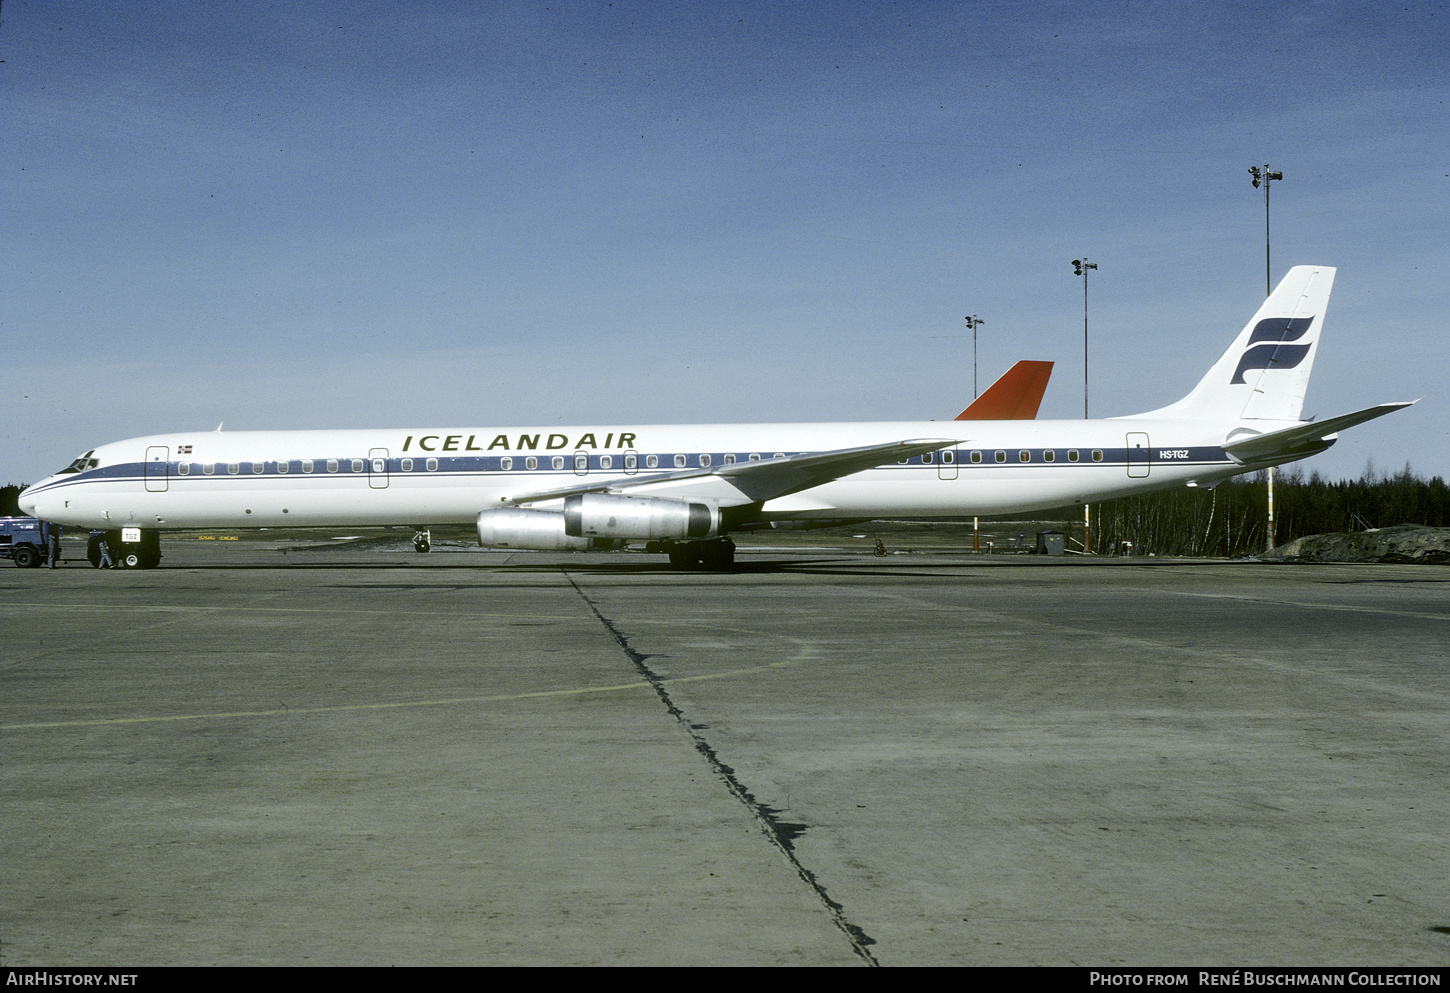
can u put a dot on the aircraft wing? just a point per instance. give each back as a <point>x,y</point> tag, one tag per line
<point>748,482</point>
<point>1304,439</point>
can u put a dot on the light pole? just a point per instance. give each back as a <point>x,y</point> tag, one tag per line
<point>1080,267</point>
<point>1265,176</point>
<point>973,323</point>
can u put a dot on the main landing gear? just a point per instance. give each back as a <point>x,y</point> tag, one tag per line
<point>422,541</point>
<point>714,553</point>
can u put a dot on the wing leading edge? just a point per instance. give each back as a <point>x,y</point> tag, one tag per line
<point>748,482</point>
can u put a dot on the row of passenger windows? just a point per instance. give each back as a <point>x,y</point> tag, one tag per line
<point>629,462</point>
<point>306,465</point>
<point>1000,455</point>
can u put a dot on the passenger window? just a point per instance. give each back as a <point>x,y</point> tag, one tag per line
<point>283,466</point>
<point>780,455</point>
<point>729,459</point>
<point>976,457</point>
<point>581,462</point>
<point>531,462</point>
<point>755,456</point>
<point>1048,455</point>
<point>407,465</point>
<point>258,467</point>
<point>380,465</point>
<point>505,463</point>
<point>558,462</point>
<point>651,461</point>
<point>208,468</point>
<point>183,468</point>
<point>606,462</point>
<point>1000,455</point>
<point>948,458</point>
<point>1024,456</point>
<point>679,461</point>
<point>1072,454</point>
<point>357,465</point>
<point>432,465</point>
<point>631,461</point>
<point>332,465</point>
<point>1097,454</point>
<point>928,458</point>
<point>704,460</point>
<point>233,468</point>
<point>306,465</point>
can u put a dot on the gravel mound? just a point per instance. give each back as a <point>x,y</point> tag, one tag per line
<point>1401,543</point>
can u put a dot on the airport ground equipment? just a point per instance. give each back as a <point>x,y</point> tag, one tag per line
<point>22,541</point>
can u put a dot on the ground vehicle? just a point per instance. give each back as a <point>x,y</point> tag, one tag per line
<point>22,540</point>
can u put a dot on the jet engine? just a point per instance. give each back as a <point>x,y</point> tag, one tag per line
<point>600,515</point>
<point>594,520</point>
<point>515,527</point>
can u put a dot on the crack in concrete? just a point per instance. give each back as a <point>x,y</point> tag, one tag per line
<point>782,833</point>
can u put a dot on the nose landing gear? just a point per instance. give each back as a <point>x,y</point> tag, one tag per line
<point>143,553</point>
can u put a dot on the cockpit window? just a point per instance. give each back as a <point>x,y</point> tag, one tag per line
<point>83,463</point>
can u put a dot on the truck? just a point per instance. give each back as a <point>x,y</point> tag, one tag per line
<point>23,540</point>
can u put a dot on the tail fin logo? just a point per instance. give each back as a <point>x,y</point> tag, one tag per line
<point>1276,332</point>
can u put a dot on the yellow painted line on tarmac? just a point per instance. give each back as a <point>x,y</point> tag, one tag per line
<point>448,701</point>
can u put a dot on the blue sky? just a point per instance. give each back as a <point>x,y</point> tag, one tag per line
<point>363,214</point>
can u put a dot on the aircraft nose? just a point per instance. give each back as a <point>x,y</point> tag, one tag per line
<point>30,503</point>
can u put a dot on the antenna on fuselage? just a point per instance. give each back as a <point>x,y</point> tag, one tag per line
<point>219,426</point>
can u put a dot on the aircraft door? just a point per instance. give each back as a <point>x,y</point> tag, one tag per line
<point>946,463</point>
<point>156,468</point>
<point>378,468</point>
<point>1139,459</point>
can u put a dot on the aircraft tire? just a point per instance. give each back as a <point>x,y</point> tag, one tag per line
<point>718,555</point>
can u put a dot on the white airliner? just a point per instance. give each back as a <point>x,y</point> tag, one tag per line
<point>684,488</point>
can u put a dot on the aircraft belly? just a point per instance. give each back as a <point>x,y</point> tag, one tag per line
<point>269,502</point>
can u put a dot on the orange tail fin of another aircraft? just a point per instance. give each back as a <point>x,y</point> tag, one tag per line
<point>1014,397</point>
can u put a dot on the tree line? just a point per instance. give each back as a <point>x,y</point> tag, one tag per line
<point>9,497</point>
<point>1231,519</point>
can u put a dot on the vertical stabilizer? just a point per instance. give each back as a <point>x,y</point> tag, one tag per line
<point>1265,372</point>
<point>1014,397</point>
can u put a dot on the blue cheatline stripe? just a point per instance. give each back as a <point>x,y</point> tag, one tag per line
<point>463,466</point>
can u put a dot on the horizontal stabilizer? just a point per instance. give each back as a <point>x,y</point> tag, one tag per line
<point>1014,397</point>
<point>1303,439</point>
